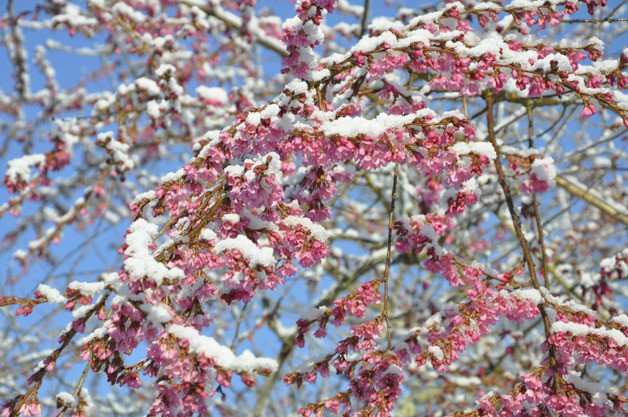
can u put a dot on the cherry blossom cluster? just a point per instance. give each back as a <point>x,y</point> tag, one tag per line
<point>612,270</point>
<point>535,173</point>
<point>302,33</point>
<point>557,388</point>
<point>19,174</point>
<point>166,99</point>
<point>250,210</point>
<point>469,65</point>
<point>375,374</point>
<point>533,398</point>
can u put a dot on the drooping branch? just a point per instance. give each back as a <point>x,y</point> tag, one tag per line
<point>589,195</point>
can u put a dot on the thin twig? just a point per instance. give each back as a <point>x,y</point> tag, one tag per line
<point>233,22</point>
<point>535,201</point>
<point>365,17</point>
<point>618,19</point>
<point>488,97</point>
<point>79,385</point>
<point>391,220</point>
<point>237,329</point>
<point>288,343</point>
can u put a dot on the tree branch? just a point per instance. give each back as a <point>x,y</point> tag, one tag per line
<point>587,195</point>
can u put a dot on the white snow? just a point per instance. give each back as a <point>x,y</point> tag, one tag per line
<point>486,7</point>
<point>65,400</point>
<point>118,151</point>
<point>598,394</point>
<point>51,294</point>
<point>465,381</point>
<point>140,261</point>
<point>569,303</point>
<point>207,234</point>
<point>87,288</point>
<point>81,311</point>
<point>433,321</point>
<point>471,186</point>
<point>353,126</point>
<point>544,170</point>
<point>274,166</point>
<point>297,86</point>
<point>110,278</point>
<point>254,118</point>
<point>125,10</point>
<point>479,148</point>
<point>148,85</point>
<point>437,352</point>
<point>19,169</point>
<point>234,170</point>
<point>271,110</point>
<point>429,232</point>
<point>621,319</point>
<point>248,249</point>
<point>256,224</point>
<point>578,329</point>
<point>528,294</point>
<point>165,69</point>
<point>157,313</point>
<point>222,355</point>
<point>231,217</point>
<point>213,94</point>
<point>314,313</point>
<point>96,334</point>
<point>317,231</point>
<point>20,254</point>
<point>596,193</point>
<point>154,108</point>
<point>172,176</point>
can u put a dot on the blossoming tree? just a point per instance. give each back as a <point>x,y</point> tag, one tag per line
<point>232,211</point>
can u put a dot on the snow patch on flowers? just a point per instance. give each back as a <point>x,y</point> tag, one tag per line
<point>51,294</point>
<point>248,249</point>
<point>222,355</point>
<point>578,329</point>
<point>316,230</point>
<point>139,260</point>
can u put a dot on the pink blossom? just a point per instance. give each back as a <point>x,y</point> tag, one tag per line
<point>588,110</point>
<point>31,407</point>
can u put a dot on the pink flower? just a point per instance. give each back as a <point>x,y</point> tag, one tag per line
<point>31,407</point>
<point>534,185</point>
<point>588,110</point>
